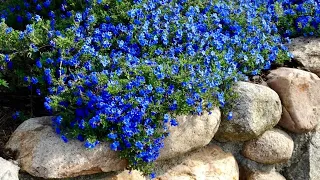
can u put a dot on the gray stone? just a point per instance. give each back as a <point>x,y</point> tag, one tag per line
<point>272,147</point>
<point>8,170</point>
<point>266,176</point>
<point>43,154</point>
<point>192,132</point>
<point>257,109</point>
<point>299,94</point>
<point>304,164</point>
<point>307,52</point>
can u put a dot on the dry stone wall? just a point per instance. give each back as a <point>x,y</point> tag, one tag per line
<point>274,135</point>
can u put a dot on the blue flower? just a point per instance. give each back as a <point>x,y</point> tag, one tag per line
<point>38,64</point>
<point>166,118</point>
<point>21,35</point>
<point>37,18</point>
<point>190,101</point>
<point>81,124</point>
<point>80,137</point>
<point>78,17</point>
<point>7,58</point>
<point>174,122</point>
<point>51,15</point>
<point>34,80</point>
<point>47,106</point>
<point>230,116</point>
<point>9,30</point>
<point>115,145</point>
<point>38,7</point>
<point>112,136</point>
<point>19,19</point>
<point>16,115</point>
<point>91,19</point>
<point>79,101</point>
<point>139,145</point>
<point>58,120</point>
<point>90,145</point>
<point>153,175</point>
<point>29,16</point>
<point>29,29</point>
<point>94,122</point>
<point>64,138</point>
<point>58,130</point>
<point>150,131</point>
<point>38,91</point>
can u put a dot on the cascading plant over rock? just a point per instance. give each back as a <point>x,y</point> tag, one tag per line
<point>123,70</point>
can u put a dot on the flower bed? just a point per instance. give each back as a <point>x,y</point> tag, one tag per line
<point>122,70</point>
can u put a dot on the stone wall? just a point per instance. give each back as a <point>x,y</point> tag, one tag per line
<point>274,135</point>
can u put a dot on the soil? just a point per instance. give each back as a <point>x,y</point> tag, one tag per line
<point>7,127</point>
<point>9,103</point>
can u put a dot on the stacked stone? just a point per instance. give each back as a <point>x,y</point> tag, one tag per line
<point>274,135</point>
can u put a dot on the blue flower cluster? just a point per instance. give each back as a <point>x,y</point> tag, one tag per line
<point>122,71</point>
<point>299,17</point>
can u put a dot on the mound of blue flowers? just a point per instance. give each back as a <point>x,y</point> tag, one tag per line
<point>122,70</point>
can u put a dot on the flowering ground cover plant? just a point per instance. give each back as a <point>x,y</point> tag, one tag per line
<point>121,71</point>
<point>297,17</point>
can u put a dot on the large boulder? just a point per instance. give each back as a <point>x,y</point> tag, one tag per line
<point>307,52</point>
<point>209,162</point>
<point>299,94</point>
<point>273,146</point>
<point>256,110</point>
<point>43,154</point>
<point>192,132</point>
<point>8,170</point>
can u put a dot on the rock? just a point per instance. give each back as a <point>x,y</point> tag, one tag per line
<point>246,166</point>
<point>127,175</point>
<point>266,176</point>
<point>298,91</point>
<point>99,176</point>
<point>304,163</point>
<point>43,154</point>
<point>307,52</point>
<point>8,170</point>
<point>273,146</point>
<point>257,109</point>
<point>192,132</point>
<point>209,162</point>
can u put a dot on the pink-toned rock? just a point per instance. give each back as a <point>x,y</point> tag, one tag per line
<point>128,175</point>
<point>299,94</point>
<point>209,162</point>
<point>307,52</point>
